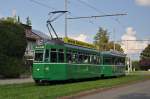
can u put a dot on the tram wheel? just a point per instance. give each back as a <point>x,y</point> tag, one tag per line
<point>38,82</point>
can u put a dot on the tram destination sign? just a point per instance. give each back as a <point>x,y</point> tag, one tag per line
<point>78,43</point>
<point>39,47</point>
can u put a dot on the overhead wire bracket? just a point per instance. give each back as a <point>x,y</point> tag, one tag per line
<point>53,16</point>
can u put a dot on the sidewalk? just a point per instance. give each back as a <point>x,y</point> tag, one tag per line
<point>15,81</point>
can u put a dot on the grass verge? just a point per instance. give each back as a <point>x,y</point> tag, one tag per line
<point>32,91</point>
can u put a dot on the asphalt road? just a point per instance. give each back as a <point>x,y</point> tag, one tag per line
<point>135,91</point>
<point>15,81</point>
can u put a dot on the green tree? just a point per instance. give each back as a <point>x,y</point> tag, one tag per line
<point>145,54</point>
<point>145,58</point>
<point>136,65</point>
<point>11,19</point>
<point>12,48</point>
<point>117,46</point>
<point>101,39</point>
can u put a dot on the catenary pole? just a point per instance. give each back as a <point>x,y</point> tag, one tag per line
<point>66,8</point>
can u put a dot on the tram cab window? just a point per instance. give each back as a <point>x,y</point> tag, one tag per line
<point>53,55</point>
<point>38,55</point>
<point>60,55</point>
<point>117,62</point>
<point>121,62</point>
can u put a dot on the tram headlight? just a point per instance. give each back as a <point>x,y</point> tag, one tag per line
<point>46,68</point>
<point>38,69</point>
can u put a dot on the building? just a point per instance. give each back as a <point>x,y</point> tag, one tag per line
<point>34,37</point>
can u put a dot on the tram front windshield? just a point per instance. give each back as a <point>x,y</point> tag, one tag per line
<point>38,55</point>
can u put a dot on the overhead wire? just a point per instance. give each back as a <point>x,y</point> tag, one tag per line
<point>81,1</point>
<point>99,11</point>
<point>49,7</point>
<point>42,4</point>
<point>83,20</point>
<point>90,21</point>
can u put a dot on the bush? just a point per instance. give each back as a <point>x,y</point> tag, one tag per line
<point>12,68</point>
<point>12,48</point>
<point>136,65</point>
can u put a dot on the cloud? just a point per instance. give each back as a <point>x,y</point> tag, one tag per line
<point>80,37</point>
<point>143,2</point>
<point>129,43</point>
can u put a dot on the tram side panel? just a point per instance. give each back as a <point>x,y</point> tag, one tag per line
<point>49,71</point>
<point>80,71</point>
<point>112,65</point>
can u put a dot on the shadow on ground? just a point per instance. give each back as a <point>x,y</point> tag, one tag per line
<point>43,83</point>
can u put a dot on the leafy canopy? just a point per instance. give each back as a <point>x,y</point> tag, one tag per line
<point>12,47</point>
<point>145,58</point>
<point>101,40</point>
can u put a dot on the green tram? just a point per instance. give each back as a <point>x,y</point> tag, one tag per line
<point>71,59</point>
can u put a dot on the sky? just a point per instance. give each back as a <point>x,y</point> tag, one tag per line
<point>134,26</point>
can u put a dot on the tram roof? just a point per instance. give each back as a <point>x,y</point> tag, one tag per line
<point>113,53</point>
<point>79,47</point>
<point>61,43</point>
<point>105,53</point>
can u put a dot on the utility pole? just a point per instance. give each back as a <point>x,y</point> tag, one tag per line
<point>114,36</point>
<point>66,8</point>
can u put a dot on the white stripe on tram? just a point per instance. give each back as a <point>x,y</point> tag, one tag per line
<point>81,64</point>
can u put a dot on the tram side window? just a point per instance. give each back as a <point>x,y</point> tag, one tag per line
<point>75,57</point>
<point>53,55</point>
<point>108,61</point>
<point>61,55</point>
<point>94,59</point>
<point>88,59</point>
<point>69,56</point>
<point>98,59</point>
<point>91,59</point>
<point>81,57</point>
<point>85,59</point>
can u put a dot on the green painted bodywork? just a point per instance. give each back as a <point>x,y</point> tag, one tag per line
<point>65,71</point>
<point>45,70</point>
<point>49,71</point>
